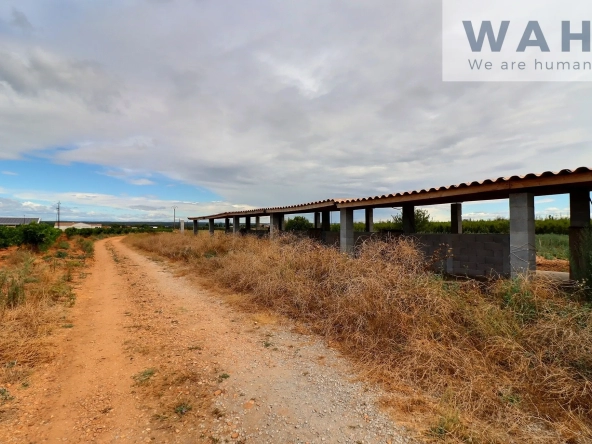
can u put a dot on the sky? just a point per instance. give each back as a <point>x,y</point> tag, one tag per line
<point>124,109</point>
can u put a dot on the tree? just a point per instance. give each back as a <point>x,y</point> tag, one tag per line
<point>299,223</point>
<point>39,236</point>
<point>422,220</point>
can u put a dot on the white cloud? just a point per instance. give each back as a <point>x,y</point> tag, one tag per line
<point>9,173</point>
<point>544,200</point>
<point>141,182</point>
<point>97,206</point>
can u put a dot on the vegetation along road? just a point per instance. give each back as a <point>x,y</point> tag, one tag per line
<point>150,355</point>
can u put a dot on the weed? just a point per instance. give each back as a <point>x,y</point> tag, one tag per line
<point>267,344</point>
<point>223,376</point>
<point>194,347</point>
<point>510,398</point>
<point>447,425</point>
<point>63,245</point>
<point>87,246</point>
<point>5,395</point>
<point>144,376</point>
<point>68,326</point>
<point>61,254</point>
<point>182,408</point>
<point>12,290</point>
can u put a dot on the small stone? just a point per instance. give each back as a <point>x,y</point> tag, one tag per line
<point>249,404</point>
<point>217,392</point>
<point>234,435</point>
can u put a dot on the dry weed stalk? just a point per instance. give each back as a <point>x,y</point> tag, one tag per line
<point>504,361</point>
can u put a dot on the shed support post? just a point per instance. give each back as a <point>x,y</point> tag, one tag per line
<point>257,222</point>
<point>211,226</point>
<point>522,240</point>
<point>579,207</point>
<point>317,220</point>
<point>248,223</point>
<point>276,222</point>
<point>346,228</point>
<point>227,225</point>
<point>235,224</point>
<point>326,221</point>
<point>408,219</point>
<point>195,227</point>
<point>182,226</point>
<point>369,219</point>
<point>456,218</point>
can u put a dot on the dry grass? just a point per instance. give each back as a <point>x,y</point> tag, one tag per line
<point>505,361</point>
<point>34,295</point>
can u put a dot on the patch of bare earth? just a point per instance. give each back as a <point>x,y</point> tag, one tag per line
<point>552,264</point>
<point>154,357</point>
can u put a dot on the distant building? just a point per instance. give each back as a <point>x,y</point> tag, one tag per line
<point>77,225</point>
<point>15,221</point>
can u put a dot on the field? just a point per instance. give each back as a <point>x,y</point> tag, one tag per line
<point>505,361</point>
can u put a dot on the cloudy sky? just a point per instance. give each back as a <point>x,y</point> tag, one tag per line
<point>121,109</point>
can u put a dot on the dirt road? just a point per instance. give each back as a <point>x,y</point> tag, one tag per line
<point>151,356</point>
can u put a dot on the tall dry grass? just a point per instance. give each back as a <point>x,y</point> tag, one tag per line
<point>505,361</point>
<point>34,296</point>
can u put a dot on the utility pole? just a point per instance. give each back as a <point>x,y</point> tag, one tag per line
<point>59,203</point>
<point>174,216</point>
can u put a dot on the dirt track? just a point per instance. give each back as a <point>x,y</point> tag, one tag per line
<point>154,357</point>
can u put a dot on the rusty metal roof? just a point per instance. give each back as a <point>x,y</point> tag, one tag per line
<point>539,184</point>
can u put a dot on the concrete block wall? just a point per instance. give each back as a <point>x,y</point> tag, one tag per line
<point>472,255</point>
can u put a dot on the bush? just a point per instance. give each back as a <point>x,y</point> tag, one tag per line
<point>87,246</point>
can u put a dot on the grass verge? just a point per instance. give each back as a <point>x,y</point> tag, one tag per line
<point>35,293</point>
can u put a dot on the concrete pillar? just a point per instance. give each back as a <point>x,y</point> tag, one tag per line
<point>227,225</point>
<point>211,226</point>
<point>248,223</point>
<point>408,219</point>
<point>182,226</point>
<point>522,241</point>
<point>456,218</point>
<point>579,254</point>
<point>276,223</point>
<point>257,222</point>
<point>195,227</point>
<point>369,219</point>
<point>317,220</point>
<point>235,224</point>
<point>326,221</point>
<point>346,228</point>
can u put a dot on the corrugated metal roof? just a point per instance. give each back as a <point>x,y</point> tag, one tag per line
<point>18,220</point>
<point>548,182</point>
